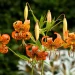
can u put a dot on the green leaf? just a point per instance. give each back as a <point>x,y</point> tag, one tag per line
<point>41,22</point>
<point>23,56</point>
<point>38,44</point>
<point>33,39</point>
<point>20,55</point>
<point>42,31</point>
<point>49,25</point>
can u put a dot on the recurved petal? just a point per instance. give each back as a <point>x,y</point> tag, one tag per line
<point>26,35</point>
<point>49,40</point>
<point>5,38</point>
<point>17,24</point>
<point>3,49</point>
<point>44,40</point>
<point>72,35</point>
<point>16,36</point>
<point>58,35</point>
<point>29,50</point>
<point>58,41</point>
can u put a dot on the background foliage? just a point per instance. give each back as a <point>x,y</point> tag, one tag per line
<point>12,10</point>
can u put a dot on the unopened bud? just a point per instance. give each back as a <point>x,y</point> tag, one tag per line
<point>26,12</point>
<point>65,31</point>
<point>36,31</point>
<point>49,18</point>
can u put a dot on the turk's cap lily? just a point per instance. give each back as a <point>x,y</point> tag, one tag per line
<point>52,44</point>
<point>19,26</point>
<point>22,35</point>
<point>70,41</point>
<point>34,53</point>
<point>4,39</point>
<point>3,49</point>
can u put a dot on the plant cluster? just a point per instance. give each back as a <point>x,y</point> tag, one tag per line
<point>42,43</point>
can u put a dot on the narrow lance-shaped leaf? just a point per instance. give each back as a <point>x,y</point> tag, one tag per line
<point>41,22</point>
<point>20,55</point>
<point>50,25</point>
<point>38,44</point>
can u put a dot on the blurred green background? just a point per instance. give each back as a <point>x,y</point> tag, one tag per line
<point>12,10</point>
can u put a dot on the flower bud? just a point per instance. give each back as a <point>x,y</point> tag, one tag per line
<point>49,18</point>
<point>26,12</point>
<point>65,31</point>
<point>36,31</point>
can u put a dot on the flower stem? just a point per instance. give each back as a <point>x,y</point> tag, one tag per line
<point>42,72</point>
<point>19,55</point>
<point>32,68</point>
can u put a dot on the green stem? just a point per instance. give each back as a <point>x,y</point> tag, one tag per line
<point>19,55</point>
<point>23,42</point>
<point>32,68</point>
<point>56,25</point>
<point>35,19</point>
<point>42,72</point>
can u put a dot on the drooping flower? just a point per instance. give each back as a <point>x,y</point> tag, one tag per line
<point>4,39</point>
<point>21,30</point>
<point>20,36</point>
<point>52,44</point>
<point>34,53</point>
<point>19,26</point>
<point>69,38</point>
<point>3,49</point>
<point>70,41</point>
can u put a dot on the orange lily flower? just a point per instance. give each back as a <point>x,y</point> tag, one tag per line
<point>18,26</point>
<point>34,53</point>
<point>70,41</point>
<point>16,35</point>
<point>50,44</point>
<point>4,39</point>
<point>69,38</point>
<point>21,30</point>
<point>20,36</point>
<point>3,49</point>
